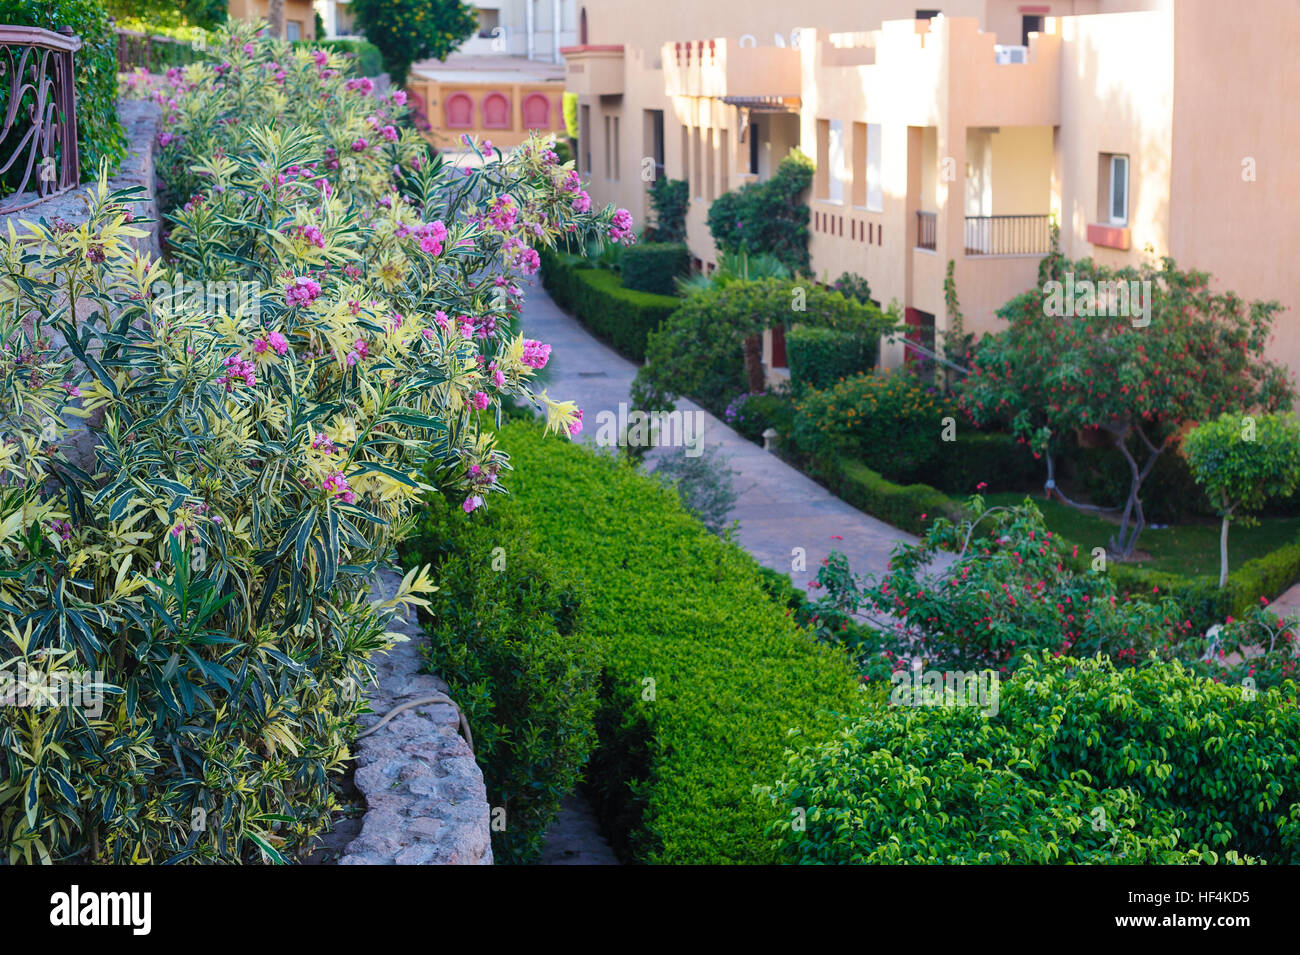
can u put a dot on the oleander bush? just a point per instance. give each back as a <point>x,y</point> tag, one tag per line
<point>362,58</point>
<point>703,672</point>
<point>505,630</point>
<point>262,407</point>
<point>1082,763</point>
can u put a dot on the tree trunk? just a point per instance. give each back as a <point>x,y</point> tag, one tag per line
<point>1223,548</point>
<point>754,363</point>
<point>1125,540</point>
<point>275,16</point>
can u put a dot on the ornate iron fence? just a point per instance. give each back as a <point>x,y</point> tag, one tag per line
<point>38,107</point>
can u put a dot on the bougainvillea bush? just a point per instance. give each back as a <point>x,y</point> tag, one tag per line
<point>333,322</point>
<point>1083,763</point>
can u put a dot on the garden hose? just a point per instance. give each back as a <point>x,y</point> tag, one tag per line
<point>464,723</point>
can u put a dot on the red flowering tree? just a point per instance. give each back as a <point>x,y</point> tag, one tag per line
<point>1136,352</point>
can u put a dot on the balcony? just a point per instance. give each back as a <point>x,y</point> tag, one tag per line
<point>593,70</point>
<point>927,228</point>
<point>724,67</point>
<point>1008,235</point>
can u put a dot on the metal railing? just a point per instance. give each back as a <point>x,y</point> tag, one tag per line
<point>1008,235</point>
<point>153,53</point>
<point>38,107</point>
<point>927,227</point>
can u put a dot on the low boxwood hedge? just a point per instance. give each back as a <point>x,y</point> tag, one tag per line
<point>704,673</point>
<point>620,316</point>
<point>652,266</point>
<point>908,507</point>
<point>505,631</point>
<point>994,459</point>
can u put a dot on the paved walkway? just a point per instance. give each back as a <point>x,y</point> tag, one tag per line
<point>778,507</point>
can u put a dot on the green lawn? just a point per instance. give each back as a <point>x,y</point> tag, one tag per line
<point>1189,549</point>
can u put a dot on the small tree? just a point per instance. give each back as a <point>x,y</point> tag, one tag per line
<point>1242,461</point>
<point>769,216</point>
<point>1129,352</point>
<point>410,30</point>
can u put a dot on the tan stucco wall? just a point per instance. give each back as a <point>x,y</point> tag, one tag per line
<point>299,11</point>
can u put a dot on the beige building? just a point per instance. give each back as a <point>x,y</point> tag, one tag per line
<point>960,131</point>
<point>299,16</point>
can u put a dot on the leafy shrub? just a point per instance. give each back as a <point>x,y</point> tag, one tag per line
<point>652,266</point>
<point>99,134</point>
<point>890,422</point>
<point>1011,592</point>
<point>505,632</point>
<point>699,350</point>
<point>1084,763</point>
<point>704,482</point>
<point>169,15</point>
<point>410,30</point>
<point>704,673</point>
<point>255,456</point>
<point>619,315</point>
<point>362,58</point>
<point>669,198</point>
<point>819,357</point>
<point>733,267</point>
<point>999,461</point>
<point>1170,494</point>
<point>853,286</point>
<point>752,413</point>
<point>1242,462</point>
<point>768,216</point>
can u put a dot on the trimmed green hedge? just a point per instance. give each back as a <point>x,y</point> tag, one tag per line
<point>505,631</point>
<point>704,673</point>
<point>652,266</point>
<point>908,507</point>
<point>992,458</point>
<point>620,316</point>
<point>818,357</point>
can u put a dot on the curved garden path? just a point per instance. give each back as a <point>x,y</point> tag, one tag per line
<point>779,508</point>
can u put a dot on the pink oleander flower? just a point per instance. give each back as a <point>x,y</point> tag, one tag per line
<point>337,485</point>
<point>573,182</point>
<point>441,318</point>
<point>389,133</point>
<point>620,228</point>
<point>581,202</point>
<point>536,354</point>
<point>320,57</point>
<point>352,271</point>
<point>400,97</point>
<point>312,234</point>
<point>481,400</point>
<point>238,369</point>
<point>303,290</point>
<point>323,442</point>
<point>472,503</point>
<point>164,139</point>
<point>360,144</point>
<point>576,427</point>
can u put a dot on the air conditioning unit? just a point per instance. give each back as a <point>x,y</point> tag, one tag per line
<point>1011,54</point>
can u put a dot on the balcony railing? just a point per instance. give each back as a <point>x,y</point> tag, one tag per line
<point>1008,235</point>
<point>927,227</point>
<point>38,110</point>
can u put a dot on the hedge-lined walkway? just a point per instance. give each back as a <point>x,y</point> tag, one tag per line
<point>778,507</point>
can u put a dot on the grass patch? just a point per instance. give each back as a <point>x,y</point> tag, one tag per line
<point>1190,550</point>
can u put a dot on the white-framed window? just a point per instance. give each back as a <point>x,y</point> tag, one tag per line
<point>875,189</point>
<point>292,31</point>
<point>1118,204</point>
<point>835,161</point>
